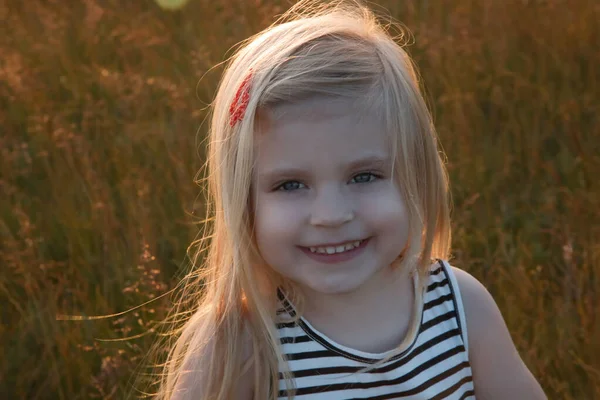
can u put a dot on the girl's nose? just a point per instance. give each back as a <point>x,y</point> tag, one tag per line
<point>331,208</point>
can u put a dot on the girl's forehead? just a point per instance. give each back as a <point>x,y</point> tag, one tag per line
<point>321,133</point>
<point>317,110</point>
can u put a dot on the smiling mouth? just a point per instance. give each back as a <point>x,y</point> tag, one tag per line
<point>341,248</point>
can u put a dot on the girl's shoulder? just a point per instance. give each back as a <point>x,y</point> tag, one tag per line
<point>498,371</point>
<point>473,298</point>
<point>197,369</point>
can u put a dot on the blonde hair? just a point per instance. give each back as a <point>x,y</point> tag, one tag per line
<point>338,49</point>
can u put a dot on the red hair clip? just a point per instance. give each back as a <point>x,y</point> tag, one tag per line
<point>240,101</point>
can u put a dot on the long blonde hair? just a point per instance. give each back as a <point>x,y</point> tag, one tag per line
<point>338,49</point>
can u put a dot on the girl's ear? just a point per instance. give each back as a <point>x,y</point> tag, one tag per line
<point>403,252</point>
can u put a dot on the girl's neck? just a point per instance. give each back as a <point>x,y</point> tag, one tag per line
<point>373,318</point>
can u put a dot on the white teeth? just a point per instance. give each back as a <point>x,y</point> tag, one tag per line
<point>335,249</point>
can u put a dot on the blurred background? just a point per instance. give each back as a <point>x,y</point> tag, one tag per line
<point>102,104</point>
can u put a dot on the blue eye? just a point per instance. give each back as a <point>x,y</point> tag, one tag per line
<point>364,177</point>
<point>290,186</point>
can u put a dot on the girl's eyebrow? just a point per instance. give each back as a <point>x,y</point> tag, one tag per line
<point>279,173</point>
<point>291,172</point>
<point>374,161</point>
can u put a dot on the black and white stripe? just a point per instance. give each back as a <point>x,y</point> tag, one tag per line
<point>435,366</point>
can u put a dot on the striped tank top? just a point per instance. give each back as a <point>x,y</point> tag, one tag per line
<point>434,366</point>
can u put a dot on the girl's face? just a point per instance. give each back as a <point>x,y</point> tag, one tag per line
<point>327,213</point>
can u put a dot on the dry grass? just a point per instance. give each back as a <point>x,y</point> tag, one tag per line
<point>99,111</point>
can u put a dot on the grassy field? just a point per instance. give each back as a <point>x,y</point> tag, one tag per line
<point>101,110</point>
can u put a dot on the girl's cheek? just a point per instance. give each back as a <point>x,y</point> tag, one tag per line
<point>277,214</point>
<point>384,206</point>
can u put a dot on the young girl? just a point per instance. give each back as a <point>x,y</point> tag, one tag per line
<point>330,203</point>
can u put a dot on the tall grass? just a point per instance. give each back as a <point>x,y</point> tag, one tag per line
<point>101,137</point>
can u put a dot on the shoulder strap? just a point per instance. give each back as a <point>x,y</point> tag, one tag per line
<point>458,304</point>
